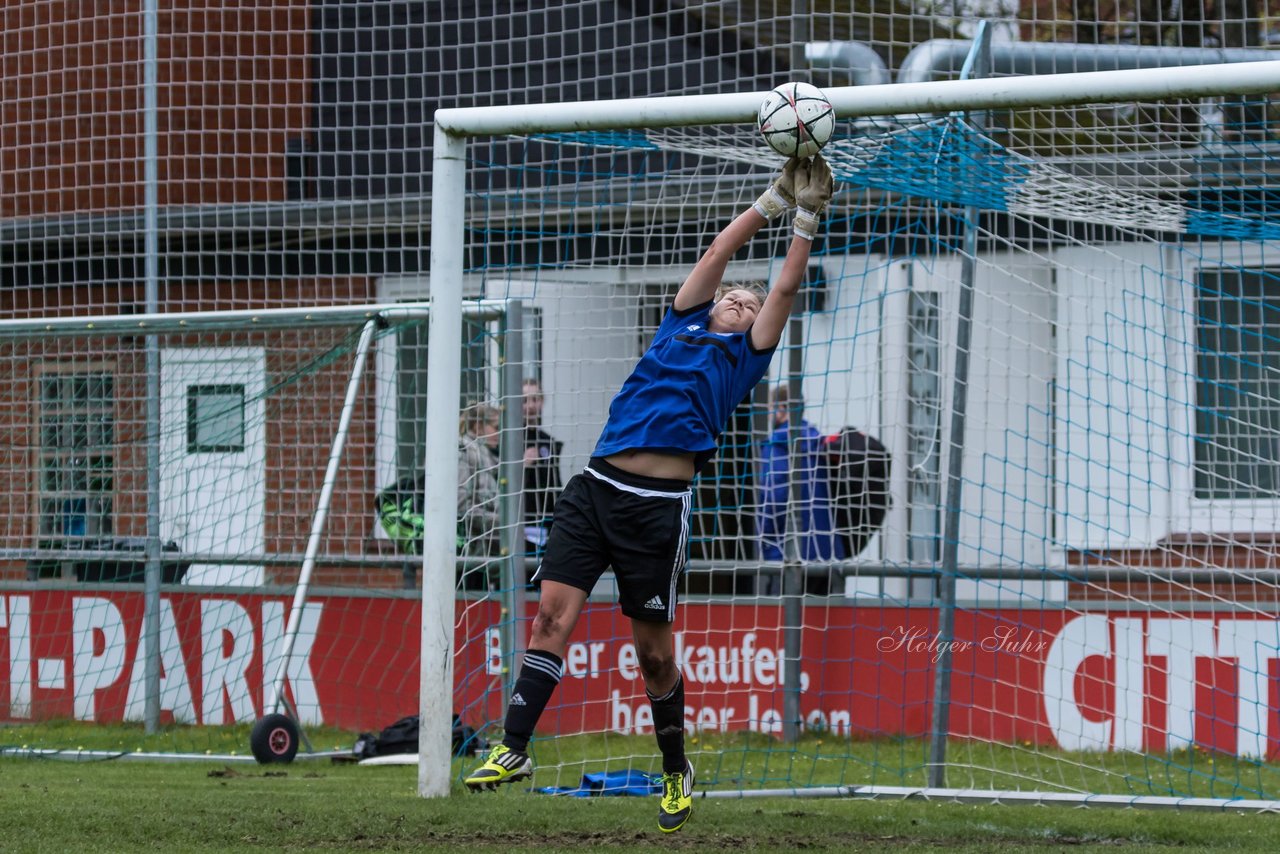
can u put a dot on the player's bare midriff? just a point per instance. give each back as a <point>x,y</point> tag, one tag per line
<point>655,464</point>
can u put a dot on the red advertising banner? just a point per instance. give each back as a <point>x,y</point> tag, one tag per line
<point>1088,681</point>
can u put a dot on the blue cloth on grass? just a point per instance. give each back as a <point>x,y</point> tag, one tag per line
<point>610,783</point>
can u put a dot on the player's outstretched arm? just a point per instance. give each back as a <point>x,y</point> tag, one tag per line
<point>813,187</point>
<point>708,273</point>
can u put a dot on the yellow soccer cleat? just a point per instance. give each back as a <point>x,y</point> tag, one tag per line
<point>677,799</point>
<point>504,765</point>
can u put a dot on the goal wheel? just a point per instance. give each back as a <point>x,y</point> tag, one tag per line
<point>274,738</point>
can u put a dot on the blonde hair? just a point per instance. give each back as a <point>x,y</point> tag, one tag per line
<point>757,289</point>
<point>477,415</point>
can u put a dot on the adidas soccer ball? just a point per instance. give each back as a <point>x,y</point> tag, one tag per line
<point>797,119</point>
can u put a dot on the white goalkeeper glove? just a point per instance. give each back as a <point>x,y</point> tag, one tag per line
<point>781,194</point>
<point>813,188</point>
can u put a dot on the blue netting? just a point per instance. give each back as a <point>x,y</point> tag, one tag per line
<point>950,161</point>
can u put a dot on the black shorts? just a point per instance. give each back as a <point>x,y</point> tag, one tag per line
<point>638,525</point>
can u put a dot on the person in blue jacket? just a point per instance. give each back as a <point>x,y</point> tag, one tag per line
<point>813,518</point>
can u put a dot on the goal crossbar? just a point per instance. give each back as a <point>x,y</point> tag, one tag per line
<point>1085,87</point>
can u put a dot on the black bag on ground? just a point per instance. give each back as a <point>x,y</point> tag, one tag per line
<point>859,480</point>
<point>402,737</point>
<point>399,737</point>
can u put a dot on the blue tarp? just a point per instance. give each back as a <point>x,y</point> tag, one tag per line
<point>610,783</point>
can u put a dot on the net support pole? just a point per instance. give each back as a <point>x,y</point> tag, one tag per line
<point>321,517</point>
<point>151,297</point>
<point>793,574</point>
<point>439,548</point>
<point>975,66</point>
<point>512,510</point>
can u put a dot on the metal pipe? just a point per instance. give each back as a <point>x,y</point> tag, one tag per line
<point>1007,797</point>
<point>440,456</point>
<point>793,567</point>
<point>512,491</point>
<point>1076,574</point>
<point>856,60</point>
<point>150,756</point>
<point>976,66</point>
<point>271,318</point>
<point>321,515</point>
<point>1244,78</point>
<point>945,57</point>
<point>151,298</point>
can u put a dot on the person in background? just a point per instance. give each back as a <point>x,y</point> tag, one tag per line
<point>813,523</point>
<point>478,482</point>
<point>542,482</point>
<point>399,507</point>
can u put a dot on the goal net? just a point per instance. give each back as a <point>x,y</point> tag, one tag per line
<point>273,456</point>
<point>1057,315</point>
<point>1064,589</point>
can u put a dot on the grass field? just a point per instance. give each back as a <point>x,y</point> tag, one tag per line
<point>114,806</point>
<point>52,805</point>
<point>755,761</point>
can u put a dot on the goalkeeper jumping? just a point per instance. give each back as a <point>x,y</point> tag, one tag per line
<point>629,508</point>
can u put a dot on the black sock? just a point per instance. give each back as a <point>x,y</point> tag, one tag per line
<point>668,725</point>
<point>539,676</point>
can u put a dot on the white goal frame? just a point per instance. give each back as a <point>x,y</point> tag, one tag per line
<point>448,219</point>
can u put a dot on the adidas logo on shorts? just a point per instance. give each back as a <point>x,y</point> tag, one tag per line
<point>655,604</point>
<point>517,700</point>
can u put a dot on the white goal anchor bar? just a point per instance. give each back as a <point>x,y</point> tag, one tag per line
<point>1004,798</point>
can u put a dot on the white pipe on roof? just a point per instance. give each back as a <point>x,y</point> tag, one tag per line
<point>938,57</point>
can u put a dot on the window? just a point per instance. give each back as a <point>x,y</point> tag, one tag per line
<point>531,343</point>
<point>215,419</point>
<point>1237,441</point>
<point>77,463</point>
<point>924,428</point>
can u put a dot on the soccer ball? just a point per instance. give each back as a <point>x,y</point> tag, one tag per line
<point>797,119</point>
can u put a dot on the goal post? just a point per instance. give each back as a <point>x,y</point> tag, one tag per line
<point>448,220</point>
<point>588,195</point>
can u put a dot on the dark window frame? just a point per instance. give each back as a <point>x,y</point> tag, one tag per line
<point>194,393</point>
<point>75,407</point>
<point>1236,434</point>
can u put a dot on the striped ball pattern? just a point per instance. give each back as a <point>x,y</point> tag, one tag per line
<point>797,119</point>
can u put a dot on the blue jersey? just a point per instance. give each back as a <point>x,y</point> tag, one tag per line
<point>684,388</point>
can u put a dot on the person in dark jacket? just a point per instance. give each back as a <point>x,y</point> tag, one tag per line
<point>542,482</point>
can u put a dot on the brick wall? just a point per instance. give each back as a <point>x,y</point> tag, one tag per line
<point>302,410</point>
<point>233,89</point>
